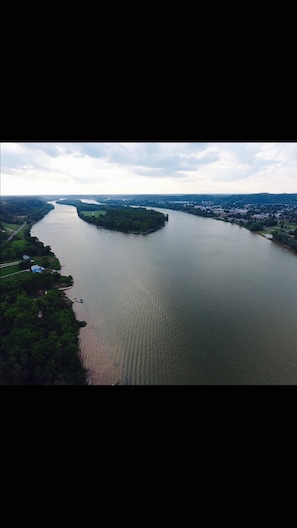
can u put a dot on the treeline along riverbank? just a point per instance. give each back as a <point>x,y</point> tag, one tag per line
<point>39,332</point>
<point>198,302</point>
<point>136,220</point>
<point>274,215</point>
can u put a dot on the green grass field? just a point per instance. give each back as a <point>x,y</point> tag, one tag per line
<point>10,227</point>
<point>290,226</point>
<point>50,262</point>
<point>93,213</point>
<point>271,229</point>
<point>47,261</point>
<point>18,243</point>
<point>9,270</point>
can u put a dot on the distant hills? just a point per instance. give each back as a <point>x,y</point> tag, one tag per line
<point>240,199</point>
<point>220,199</point>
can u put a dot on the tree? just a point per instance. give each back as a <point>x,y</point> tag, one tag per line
<point>24,264</point>
<point>45,262</point>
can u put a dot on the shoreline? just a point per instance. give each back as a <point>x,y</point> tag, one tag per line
<point>101,369</point>
<point>269,236</point>
<point>104,371</point>
<point>284,246</point>
<point>221,219</point>
<point>69,303</point>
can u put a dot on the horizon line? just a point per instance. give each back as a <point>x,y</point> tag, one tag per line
<point>150,194</point>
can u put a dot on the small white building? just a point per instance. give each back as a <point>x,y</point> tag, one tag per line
<point>37,269</point>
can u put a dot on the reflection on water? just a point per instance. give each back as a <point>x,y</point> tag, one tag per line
<point>197,302</point>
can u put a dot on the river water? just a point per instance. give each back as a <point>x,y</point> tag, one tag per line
<point>199,302</point>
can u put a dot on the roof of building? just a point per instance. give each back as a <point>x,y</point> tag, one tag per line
<point>37,269</point>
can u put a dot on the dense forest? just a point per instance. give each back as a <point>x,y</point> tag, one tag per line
<point>38,329</point>
<point>15,212</point>
<point>39,333</point>
<point>17,209</point>
<point>153,200</point>
<point>136,220</point>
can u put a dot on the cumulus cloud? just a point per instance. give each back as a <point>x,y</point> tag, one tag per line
<point>153,167</point>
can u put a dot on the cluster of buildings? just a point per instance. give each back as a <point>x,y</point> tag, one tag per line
<point>252,212</point>
<point>35,268</point>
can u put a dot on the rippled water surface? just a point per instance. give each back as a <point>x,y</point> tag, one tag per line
<point>197,302</point>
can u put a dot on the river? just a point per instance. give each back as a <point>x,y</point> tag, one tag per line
<point>199,302</point>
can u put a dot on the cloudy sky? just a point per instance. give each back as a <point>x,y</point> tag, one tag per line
<point>147,168</point>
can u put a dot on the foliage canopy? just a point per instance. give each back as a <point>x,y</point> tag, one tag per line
<point>138,220</point>
<point>38,329</point>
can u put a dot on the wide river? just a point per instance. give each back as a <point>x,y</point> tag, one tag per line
<point>199,302</point>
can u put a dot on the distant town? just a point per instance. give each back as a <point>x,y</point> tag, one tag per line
<point>255,216</point>
<point>273,216</point>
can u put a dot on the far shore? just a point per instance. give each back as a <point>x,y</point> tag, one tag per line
<point>268,236</point>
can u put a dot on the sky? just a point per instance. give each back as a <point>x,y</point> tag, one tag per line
<point>148,168</point>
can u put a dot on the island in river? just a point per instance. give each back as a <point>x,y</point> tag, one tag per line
<point>271,215</point>
<point>136,220</point>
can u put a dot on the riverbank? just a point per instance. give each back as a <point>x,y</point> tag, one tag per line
<point>177,306</point>
<point>39,329</point>
<point>269,234</point>
<point>284,246</point>
<point>283,232</point>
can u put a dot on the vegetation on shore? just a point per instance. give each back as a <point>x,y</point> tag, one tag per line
<point>280,233</point>
<point>275,215</point>
<point>137,220</point>
<point>288,241</point>
<point>39,332</point>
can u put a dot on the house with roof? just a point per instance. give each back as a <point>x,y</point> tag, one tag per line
<point>37,269</point>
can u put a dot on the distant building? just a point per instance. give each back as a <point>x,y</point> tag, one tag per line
<point>37,269</point>
<point>260,216</point>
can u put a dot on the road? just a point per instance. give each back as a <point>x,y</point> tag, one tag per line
<point>15,273</point>
<point>17,231</point>
<point>7,264</point>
